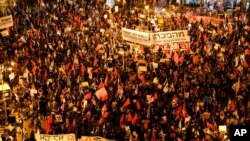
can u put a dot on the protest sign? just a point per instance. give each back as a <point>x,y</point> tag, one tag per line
<point>67,137</point>
<point>136,36</point>
<point>60,137</point>
<point>6,21</point>
<point>5,33</point>
<point>178,36</point>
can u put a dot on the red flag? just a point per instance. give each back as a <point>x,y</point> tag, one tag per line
<point>179,139</point>
<point>106,114</point>
<point>181,60</point>
<point>155,97</point>
<point>129,117</point>
<point>247,52</point>
<point>135,118</point>
<point>232,106</point>
<point>245,64</point>
<point>115,73</point>
<point>83,69</point>
<point>104,108</point>
<point>67,66</point>
<point>176,58</point>
<point>34,70</point>
<point>153,138</point>
<point>63,107</point>
<point>87,96</point>
<point>210,126</point>
<point>48,127</point>
<point>98,47</point>
<point>101,85</point>
<point>141,77</point>
<point>184,112</point>
<point>195,59</point>
<point>127,102</point>
<point>145,124</point>
<point>122,120</point>
<point>106,80</point>
<point>95,62</point>
<point>104,96</point>
<point>205,38</point>
<point>101,121</point>
<point>77,19</point>
<point>73,67</point>
<point>45,74</point>
<point>138,105</point>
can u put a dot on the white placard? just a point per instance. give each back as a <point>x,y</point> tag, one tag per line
<point>116,8</point>
<point>223,128</point>
<point>6,21</point>
<point>142,69</point>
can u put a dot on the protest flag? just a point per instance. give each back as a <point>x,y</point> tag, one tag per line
<point>95,62</point>
<point>176,58</point>
<point>104,96</point>
<point>67,66</point>
<point>135,118</point>
<point>115,73</point>
<point>87,96</point>
<point>181,60</point>
<point>105,115</point>
<point>245,64</point>
<point>45,74</point>
<point>83,69</point>
<point>122,120</point>
<point>127,102</point>
<point>106,80</point>
<point>155,97</point>
<point>145,124</point>
<point>233,107</point>
<point>101,121</point>
<point>138,105</point>
<point>104,108</point>
<point>34,70</point>
<point>153,138</point>
<point>208,124</point>
<point>129,117</point>
<point>195,59</point>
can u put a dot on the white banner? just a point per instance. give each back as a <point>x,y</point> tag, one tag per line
<point>67,137</point>
<point>159,38</point>
<point>134,36</point>
<point>93,138</point>
<point>178,36</point>
<point>6,21</point>
<point>59,137</point>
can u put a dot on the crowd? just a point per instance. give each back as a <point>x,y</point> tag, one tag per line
<point>68,50</point>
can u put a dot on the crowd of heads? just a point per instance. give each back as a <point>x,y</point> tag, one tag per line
<point>68,52</point>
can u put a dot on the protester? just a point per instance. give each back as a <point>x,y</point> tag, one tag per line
<point>70,72</point>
